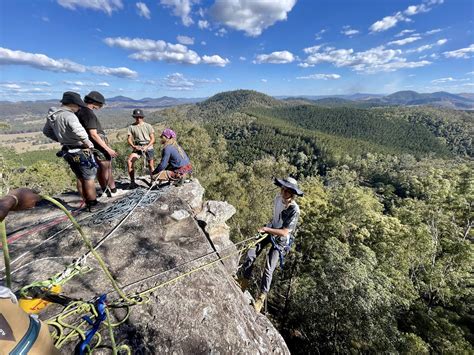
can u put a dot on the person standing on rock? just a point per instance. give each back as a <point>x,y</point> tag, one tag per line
<point>175,164</point>
<point>280,232</point>
<point>102,152</point>
<point>141,137</point>
<point>63,126</point>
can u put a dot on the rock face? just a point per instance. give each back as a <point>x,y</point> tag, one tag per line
<point>204,312</point>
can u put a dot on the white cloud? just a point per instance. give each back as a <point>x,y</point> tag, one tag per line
<point>86,83</point>
<point>386,23</point>
<point>436,30</point>
<point>428,46</point>
<point>215,60</point>
<point>391,21</point>
<point>185,40</point>
<point>10,86</point>
<point>448,80</point>
<point>313,49</point>
<point>151,50</point>
<point>470,73</point>
<point>263,80</point>
<point>305,65</point>
<point>320,77</point>
<point>181,8</point>
<point>177,81</point>
<point>281,57</point>
<point>107,6</point>
<point>319,35</point>
<point>45,18</point>
<point>460,53</point>
<point>43,62</point>
<point>402,42</point>
<point>221,32</point>
<point>251,16</point>
<point>242,58</point>
<point>348,31</point>
<point>203,24</point>
<point>374,60</point>
<point>404,33</point>
<point>143,10</point>
<point>203,43</point>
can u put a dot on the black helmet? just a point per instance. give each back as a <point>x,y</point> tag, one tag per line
<point>70,97</point>
<point>94,96</point>
<point>138,113</point>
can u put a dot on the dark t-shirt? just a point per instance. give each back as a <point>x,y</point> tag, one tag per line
<point>89,121</point>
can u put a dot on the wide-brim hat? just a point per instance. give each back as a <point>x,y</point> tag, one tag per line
<point>290,184</point>
<point>70,97</point>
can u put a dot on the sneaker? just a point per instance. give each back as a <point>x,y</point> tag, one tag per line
<point>258,305</point>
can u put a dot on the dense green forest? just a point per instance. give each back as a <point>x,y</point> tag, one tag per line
<point>383,255</point>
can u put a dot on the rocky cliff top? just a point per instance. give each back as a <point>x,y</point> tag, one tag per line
<point>204,312</point>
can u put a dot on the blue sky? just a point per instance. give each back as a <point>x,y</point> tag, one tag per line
<point>196,48</point>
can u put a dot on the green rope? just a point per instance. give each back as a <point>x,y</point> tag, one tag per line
<point>88,243</point>
<point>6,255</point>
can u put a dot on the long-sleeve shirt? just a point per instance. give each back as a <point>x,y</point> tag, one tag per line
<point>64,127</point>
<point>170,156</point>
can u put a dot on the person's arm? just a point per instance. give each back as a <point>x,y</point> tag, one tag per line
<point>130,141</point>
<point>165,158</point>
<point>281,232</point>
<point>17,200</point>
<point>98,139</point>
<point>49,132</point>
<point>152,141</point>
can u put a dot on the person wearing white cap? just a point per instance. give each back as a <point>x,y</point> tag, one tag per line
<point>280,232</point>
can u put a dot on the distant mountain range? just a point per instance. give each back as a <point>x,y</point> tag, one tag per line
<point>464,101</point>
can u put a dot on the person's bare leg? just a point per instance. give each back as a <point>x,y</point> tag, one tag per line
<point>80,189</point>
<point>130,165</point>
<point>102,174</point>
<point>88,186</point>
<point>111,181</point>
<point>151,165</point>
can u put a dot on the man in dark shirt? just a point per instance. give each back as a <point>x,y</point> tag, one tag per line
<point>102,152</point>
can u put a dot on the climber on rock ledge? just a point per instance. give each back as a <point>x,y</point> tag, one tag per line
<point>280,232</point>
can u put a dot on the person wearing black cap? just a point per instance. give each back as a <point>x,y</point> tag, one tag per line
<point>280,232</point>
<point>64,127</point>
<point>102,152</point>
<point>141,137</point>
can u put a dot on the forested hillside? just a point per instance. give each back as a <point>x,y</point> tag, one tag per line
<point>383,256</point>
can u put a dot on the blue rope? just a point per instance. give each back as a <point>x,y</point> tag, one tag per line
<point>101,316</point>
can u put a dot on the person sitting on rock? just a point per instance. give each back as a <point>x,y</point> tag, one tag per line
<point>141,137</point>
<point>280,232</point>
<point>175,164</point>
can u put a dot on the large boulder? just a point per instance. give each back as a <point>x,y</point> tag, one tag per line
<point>204,312</point>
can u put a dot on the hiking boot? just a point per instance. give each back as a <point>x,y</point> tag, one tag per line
<point>243,283</point>
<point>258,305</point>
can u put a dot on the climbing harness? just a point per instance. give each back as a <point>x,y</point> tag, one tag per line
<point>282,250</point>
